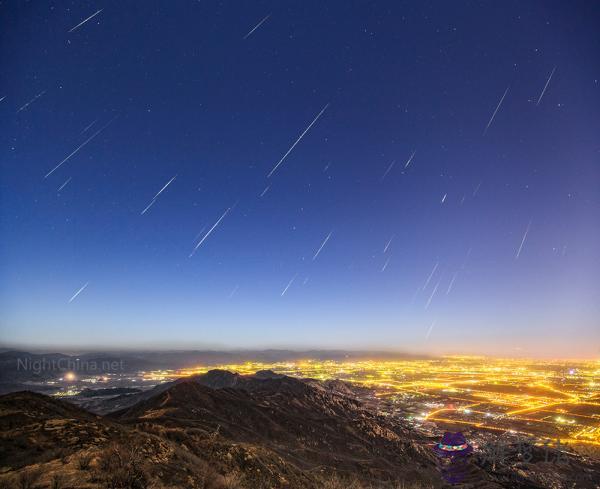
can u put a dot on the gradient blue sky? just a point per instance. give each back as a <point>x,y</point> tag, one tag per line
<point>193,98</point>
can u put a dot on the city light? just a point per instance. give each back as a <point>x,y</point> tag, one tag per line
<point>528,397</point>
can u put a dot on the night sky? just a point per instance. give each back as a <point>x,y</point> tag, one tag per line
<point>485,241</point>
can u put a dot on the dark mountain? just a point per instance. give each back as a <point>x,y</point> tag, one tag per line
<point>270,431</point>
<point>223,430</point>
<point>34,427</point>
<point>307,428</point>
<point>221,379</point>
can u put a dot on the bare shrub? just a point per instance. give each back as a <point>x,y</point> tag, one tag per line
<point>7,482</point>
<point>214,480</point>
<point>84,461</point>
<point>122,468</point>
<point>414,485</point>
<point>233,481</point>
<point>28,478</point>
<point>57,482</point>
<point>336,482</point>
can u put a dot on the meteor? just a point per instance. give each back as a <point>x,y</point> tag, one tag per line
<point>30,102</point>
<point>410,159</point>
<point>156,196</point>
<point>85,20</point>
<point>210,231</point>
<point>64,184</point>
<point>433,293</point>
<point>388,244</point>
<point>257,26</point>
<point>430,329</point>
<point>79,147</point>
<point>297,141</point>
<point>88,126</point>
<point>78,292</point>
<point>235,289</point>
<point>430,275</point>
<point>288,285</point>
<point>388,170</point>
<point>546,86</point>
<point>523,241</point>
<point>322,245</point>
<point>494,114</point>
<point>451,283</point>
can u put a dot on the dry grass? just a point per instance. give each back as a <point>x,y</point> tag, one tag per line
<point>84,461</point>
<point>57,482</point>
<point>337,482</point>
<point>7,482</point>
<point>122,468</point>
<point>29,478</point>
<point>213,480</point>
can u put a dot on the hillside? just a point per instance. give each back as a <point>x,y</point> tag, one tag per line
<point>222,430</point>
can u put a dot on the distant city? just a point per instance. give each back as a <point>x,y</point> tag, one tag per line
<point>534,398</point>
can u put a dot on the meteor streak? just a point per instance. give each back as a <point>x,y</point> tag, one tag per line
<point>523,241</point>
<point>257,26</point>
<point>166,185</point>
<point>265,191</point>
<point>430,329</point>
<point>64,184</point>
<point>79,147</point>
<point>30,102</point>
<point>235,289</point>
<point>322,245</point>
<point>210,231</point>
<point>546,86</point>
<point>451,283</point>
<point>88,126</point>
<point>388,170</point>
<point>297,141</point>
<point>156,196</point>
<point>388,244</point>
<point>494,114</point>
<point>430,275</point>
<point>409,160</point>
<point>78,292</point>
<point>85,20</point>
<point>288,285</point>
<point>432,294</point>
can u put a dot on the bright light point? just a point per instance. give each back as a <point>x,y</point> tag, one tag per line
<point>70,377</point>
